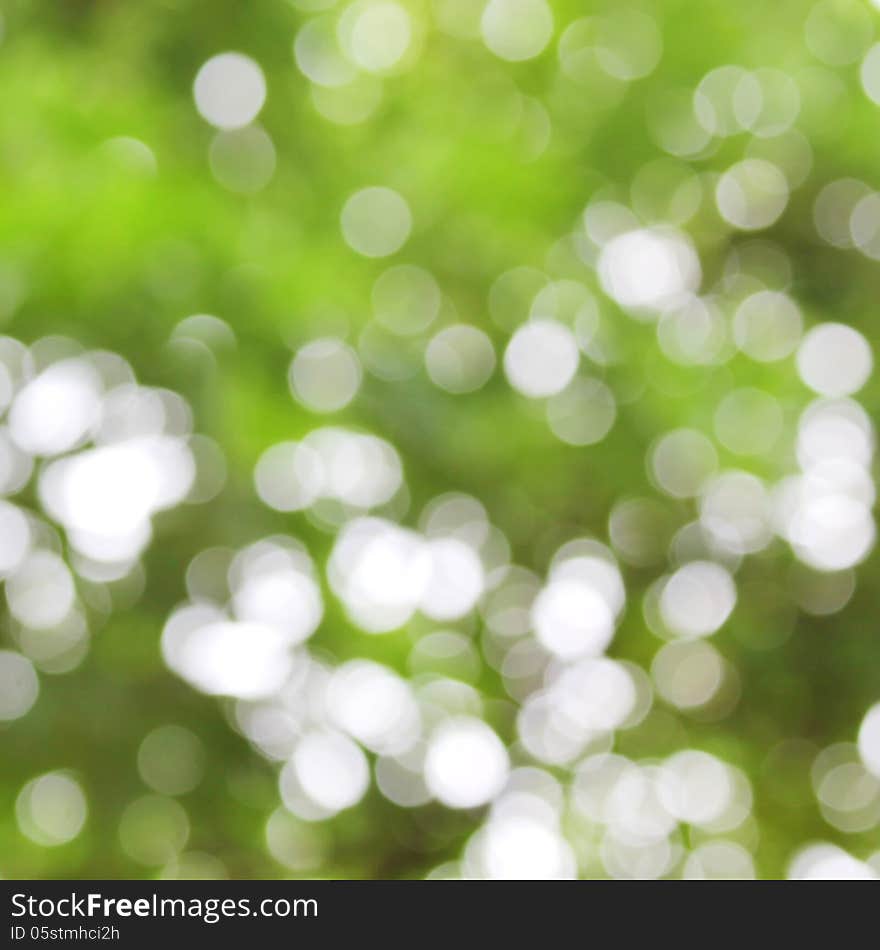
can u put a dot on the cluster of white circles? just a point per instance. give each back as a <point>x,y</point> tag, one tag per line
<point>329,466</point>
<point>846,782</point>
<point>333,728</point>
<point>108,454</point>
<point>229,92</point>
<point>243,644</point>
<point>383,573</point>
<point>549,640</point>
<point>638,810</point>
<point>117,453</point>
<point>825,512</point>
<point>319,721</point>
<point>243,635</point>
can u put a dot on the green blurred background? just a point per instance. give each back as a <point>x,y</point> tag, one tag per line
<point>124,212</point>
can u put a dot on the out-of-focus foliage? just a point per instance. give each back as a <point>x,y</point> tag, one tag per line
<point>510,336</point>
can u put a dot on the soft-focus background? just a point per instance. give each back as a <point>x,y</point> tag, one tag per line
<point>436,439</point>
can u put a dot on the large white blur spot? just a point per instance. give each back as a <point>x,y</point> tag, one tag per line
<point>593,695</point>
<point>466,764</point>
<point>541,358</point>
<point>332,770</point>
<point>106,496</point>
<point>834,359</point>
<point>456,581</point>
<point>224,658</point>
<point>521,847</point>
<point>373,705</point>
<point>697,599</point>
<point>57,410</point>
<point>827,862</point>
<point>829,530</point>
<point>380,571</point>
<point>592,564</point>
<point>572,618</point>
<point>834,431</point>
<point>283,597</point>
<point>104,491</point>
<point>229,90</point>
<point>649,269</point>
